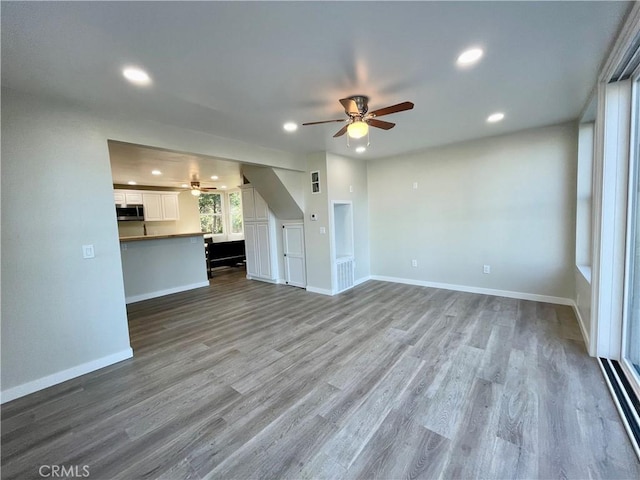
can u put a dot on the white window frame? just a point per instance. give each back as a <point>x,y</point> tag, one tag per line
<point>227,235</point>
<point>634,175</point>
<point>233,236</point>
<point>217,236</point>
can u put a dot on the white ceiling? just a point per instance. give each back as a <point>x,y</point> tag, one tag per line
<point>240,70</point>
<point>131,162</point>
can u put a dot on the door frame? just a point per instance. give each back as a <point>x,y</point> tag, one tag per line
<point>296,224</point>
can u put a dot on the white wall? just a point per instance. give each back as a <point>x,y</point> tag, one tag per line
<point>152,268</point>
<point>294,182</point>
<point>583,302</point>
<point>189,221</point>
<point>584,193</point>
<point>60,313</point>
<point>347,180</point>
<point>506,201</point>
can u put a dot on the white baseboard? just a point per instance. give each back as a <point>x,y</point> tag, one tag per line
<point>266,280</point>
<point>321,291</point>
<point>484,291</point>
<point>361,280</point>
<point>585,334</point>
<point>63,376</point>
<point>162,293</point>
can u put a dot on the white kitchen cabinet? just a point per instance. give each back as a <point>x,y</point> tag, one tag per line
<point>248,205</point>
<point>126,197</point>
<point>251,250</point>
<point>133,198</point>
<point>260,207</point>
<point>259,237</point>
<point>152,203</point>
<point>170,210</point>
<point>254,208</point>
<point>160,206</point>
<point>260,250</point>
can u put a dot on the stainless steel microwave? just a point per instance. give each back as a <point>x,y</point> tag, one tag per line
<point>129,213</point>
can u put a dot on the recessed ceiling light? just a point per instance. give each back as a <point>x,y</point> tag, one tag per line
<point>361,149</point>
<point>184,185</point>
<point>495,117</point>
<point>223,186</point>
<point>214,177</point>
<point>290,127</point>
<point>156,172</point>
<point>469,57</point>
<point>131,182</point>
<point>136,76</point>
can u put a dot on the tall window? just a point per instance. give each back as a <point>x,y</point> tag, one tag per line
<point>235,212</point>
<point>631,349</point>
<point>221,215</point>
<point>211,216</point>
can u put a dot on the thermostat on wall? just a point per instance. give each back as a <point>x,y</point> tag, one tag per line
<point>314,217</point>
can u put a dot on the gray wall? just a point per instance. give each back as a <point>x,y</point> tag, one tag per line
<point>506,201</point>
<point>62,315</point>
<point>59,311</point>
<point>317,245</point>
<point>344,173</point>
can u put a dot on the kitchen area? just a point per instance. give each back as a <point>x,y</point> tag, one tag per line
<point>163,246</point>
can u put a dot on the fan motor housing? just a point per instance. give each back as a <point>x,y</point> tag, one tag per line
<point>362,103</point>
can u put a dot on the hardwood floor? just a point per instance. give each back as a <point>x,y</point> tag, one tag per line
<point>251,380</point>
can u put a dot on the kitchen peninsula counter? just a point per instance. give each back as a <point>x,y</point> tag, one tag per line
<point>158,237</point>
<point>158,265</point>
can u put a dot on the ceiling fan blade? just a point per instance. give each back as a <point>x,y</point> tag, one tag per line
<point>341,132</point>
<point>350,106</point>
<point>324,121</point>
<point>207,189</point>
<point>380,124</point>
<point>400,107</point>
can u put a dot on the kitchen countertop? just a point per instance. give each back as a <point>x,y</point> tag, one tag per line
<point>159,237</point>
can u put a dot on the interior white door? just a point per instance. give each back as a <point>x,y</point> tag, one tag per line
<point>293,246</point>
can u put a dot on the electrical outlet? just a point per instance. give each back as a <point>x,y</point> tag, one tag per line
<point>351,188</point>
<point>415,185</point>
<point>323,230</point>
<point>414,263</point>
<point>486,269</point>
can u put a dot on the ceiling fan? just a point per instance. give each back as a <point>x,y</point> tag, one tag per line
<point>196,189</point>
<point>359,117</point>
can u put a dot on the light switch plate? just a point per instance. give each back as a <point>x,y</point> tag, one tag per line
<point>87,251</point>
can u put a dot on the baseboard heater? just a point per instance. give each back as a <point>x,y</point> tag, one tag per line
<point>625,399</point>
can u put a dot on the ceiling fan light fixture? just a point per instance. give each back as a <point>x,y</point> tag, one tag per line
<point>357,129</point>
<point>195,192</point>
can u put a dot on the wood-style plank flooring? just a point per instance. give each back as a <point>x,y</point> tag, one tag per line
<point>250,380</point>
